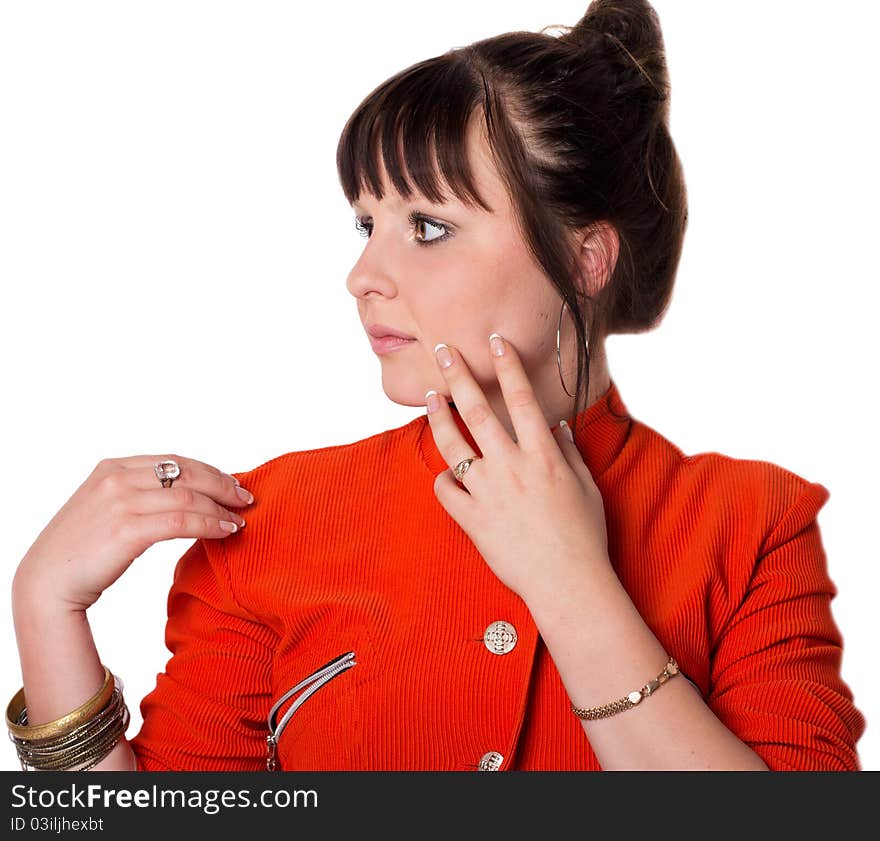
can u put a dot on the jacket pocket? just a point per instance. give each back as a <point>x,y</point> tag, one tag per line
<point>306,687</point>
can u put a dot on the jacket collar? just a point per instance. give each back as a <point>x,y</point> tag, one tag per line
<point>600,432</point>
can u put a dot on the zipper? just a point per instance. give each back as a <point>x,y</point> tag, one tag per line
<point>311,684</point>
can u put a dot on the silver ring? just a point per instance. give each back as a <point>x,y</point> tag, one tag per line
<point>462,467</point>
<point>167,472</point>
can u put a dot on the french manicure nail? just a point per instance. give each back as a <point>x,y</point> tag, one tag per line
<point>568,431</point>
<point>496,344</point>
<point>444,357</point>
<point>244,495</point>
<point>432,400</point>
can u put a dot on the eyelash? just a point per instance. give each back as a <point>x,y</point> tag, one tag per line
<point>364,228</point>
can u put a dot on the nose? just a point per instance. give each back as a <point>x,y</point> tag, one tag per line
<point>369,275</point>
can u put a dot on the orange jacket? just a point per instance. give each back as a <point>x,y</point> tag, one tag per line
<point>346,549</point>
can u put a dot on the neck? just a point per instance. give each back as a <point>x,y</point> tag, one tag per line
<point>554,400</point>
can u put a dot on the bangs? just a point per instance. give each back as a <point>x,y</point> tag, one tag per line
<point>418,120</point>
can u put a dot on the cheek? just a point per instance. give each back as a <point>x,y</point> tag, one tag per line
<point>501,290</point>
<point>449,304</point>
<point>495,279</point>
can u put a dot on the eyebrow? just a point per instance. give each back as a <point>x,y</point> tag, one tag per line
<point>417,199</point>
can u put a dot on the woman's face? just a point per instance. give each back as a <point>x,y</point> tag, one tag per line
<point>456,277</point>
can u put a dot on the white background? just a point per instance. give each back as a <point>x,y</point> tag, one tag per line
<point>174,247</point>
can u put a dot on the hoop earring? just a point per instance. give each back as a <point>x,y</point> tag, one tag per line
<point>559,355</point>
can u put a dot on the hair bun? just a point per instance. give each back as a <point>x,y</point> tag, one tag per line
<point>627,34</point>
<point>632,22</point>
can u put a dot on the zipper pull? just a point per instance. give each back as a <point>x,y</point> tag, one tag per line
<point>270,747</point>
<point>310,684</point>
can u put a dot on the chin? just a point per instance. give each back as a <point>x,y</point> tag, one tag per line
<point>408,390</point>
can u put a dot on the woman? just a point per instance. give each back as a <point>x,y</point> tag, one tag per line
<point>489,586</point>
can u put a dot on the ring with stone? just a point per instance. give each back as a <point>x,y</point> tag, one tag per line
<point>167,472</point>
<point>462,467</point>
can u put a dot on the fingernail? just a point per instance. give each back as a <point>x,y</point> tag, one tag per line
<point>444,357</point>
<point>496,344</point>
<point>568,431</point>
<point>227,526</point>
<point>244,496</point>
<point>432,400</point>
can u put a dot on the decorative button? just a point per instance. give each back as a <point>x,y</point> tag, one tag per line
<point>491,761</point>
<point>500,637</point>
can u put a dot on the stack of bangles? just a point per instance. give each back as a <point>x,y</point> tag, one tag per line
<point>76,741</point>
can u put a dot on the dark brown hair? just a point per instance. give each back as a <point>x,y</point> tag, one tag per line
<point>577,124</point>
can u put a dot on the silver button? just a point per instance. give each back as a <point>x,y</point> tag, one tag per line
<point>491,761</point>
<point>500,637</point>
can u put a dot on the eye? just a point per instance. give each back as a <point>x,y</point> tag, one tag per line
<point>421,223</point>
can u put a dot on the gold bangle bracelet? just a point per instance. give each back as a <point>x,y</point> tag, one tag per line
<point>62,725</point>
<point>630,700</point>
<point>89,744</point>
<point>85,733</point>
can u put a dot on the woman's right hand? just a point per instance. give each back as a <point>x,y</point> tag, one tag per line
<point>116,515</point>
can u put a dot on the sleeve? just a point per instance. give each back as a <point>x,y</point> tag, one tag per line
<point>775,671</point>
<point>208,709</point>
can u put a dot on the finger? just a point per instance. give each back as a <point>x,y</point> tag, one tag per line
<point>447,436</point>
<point>487,431</point>
<point>455,499</point>
<point>138,461</point>
<point>565,439</point>
<point>182,498</point>
<point>150,528</point>
<point>526,414</point>
<point>194,474</point>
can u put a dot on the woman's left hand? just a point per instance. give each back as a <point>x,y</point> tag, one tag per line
<point>530,506</point>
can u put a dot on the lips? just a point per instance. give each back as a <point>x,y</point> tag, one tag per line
<point>386,344</point>
<point>377,331</point>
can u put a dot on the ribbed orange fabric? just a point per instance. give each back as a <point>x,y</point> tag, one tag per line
<point>347,549</point>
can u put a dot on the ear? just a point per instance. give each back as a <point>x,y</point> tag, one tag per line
<point>598,249</point>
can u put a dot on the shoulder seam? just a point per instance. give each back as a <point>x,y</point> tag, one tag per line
<point>805,489</point>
